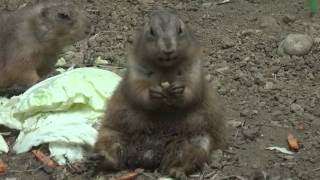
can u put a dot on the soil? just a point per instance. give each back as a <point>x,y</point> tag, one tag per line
<point>268,96</point>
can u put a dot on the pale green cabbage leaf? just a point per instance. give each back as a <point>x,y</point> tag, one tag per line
<point>64,111</point>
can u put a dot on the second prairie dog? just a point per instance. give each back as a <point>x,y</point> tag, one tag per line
<point>163,114</point>
<point>32,37</point>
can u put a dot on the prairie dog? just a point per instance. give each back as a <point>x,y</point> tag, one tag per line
<point>163,114</point>
<point>32,37</point>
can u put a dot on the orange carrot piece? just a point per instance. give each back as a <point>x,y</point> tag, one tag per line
<point>293,142</point>
<point>44,159</point>
<point>130,176</point>
<point>3,167</point>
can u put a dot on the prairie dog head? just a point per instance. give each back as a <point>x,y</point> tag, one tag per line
<point>62,22</point>
<point>165,40</point>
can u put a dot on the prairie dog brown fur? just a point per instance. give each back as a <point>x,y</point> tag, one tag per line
<point>32,37</point>
<point>163,114</point>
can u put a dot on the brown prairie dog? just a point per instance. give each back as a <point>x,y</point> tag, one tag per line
<point>163,114</point>
<point>32,37</point>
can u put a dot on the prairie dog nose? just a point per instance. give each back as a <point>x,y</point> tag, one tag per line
<point>167,45</point>
<point>168,51</point>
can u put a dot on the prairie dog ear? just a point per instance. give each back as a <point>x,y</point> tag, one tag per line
<point>181,27</point>
<point>182,24</point>
<point>147,24</point>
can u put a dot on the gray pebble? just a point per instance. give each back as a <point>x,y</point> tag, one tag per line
<point>296,44</point>
<point>288,19</point>
<point>234,123</point>
<point>296,108</point>
<point>227,43</point>
<point>269,85</point>
<point>269,22</point>
<point>244,113</point>
<point>250,134</point>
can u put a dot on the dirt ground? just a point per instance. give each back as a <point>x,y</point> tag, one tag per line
<point>268,96</point>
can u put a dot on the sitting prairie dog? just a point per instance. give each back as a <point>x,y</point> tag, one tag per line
<point>32,37</point>
<point>163,113</point>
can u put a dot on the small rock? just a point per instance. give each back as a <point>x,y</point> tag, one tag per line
<point>250,134</point>
<point>296,44</point>
<point>101,62</point>
<point>222,69</point>
<point>208,77</point>
<point>61,62</point>
<point>276,113</point>
<point>268,22</point>
<point>234,123</point>
<point>296,108</point>
<point>119,37</point>
<point>288,19</point>
<point>249,32</point>
<point>244,113</point>
<point>269,85</point>
<point>246,59</point>
<point>227,43</point>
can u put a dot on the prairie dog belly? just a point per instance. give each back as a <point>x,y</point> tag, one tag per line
<point>146,152</point>
<point>147,149</point>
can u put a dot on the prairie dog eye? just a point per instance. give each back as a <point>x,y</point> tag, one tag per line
<point>64,16</point>
<point>151,31</point>
<point>181,28</point>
